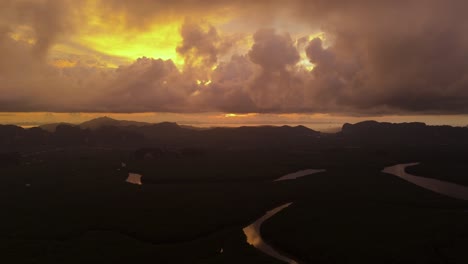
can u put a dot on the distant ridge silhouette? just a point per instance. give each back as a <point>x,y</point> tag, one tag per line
<point>107,121</point>
<point>105,131</point>
<point>372,132</point>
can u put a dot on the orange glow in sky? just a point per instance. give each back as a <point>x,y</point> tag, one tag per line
<point>293,63</point>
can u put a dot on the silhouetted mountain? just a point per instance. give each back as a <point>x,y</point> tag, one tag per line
<point>107,121</point>
<point>10,134</point>
<point>107,132</point>
<point>94,124</point>
<point>52,127</point>
<point>372,132</point>
<point>68,135</point>
<point>13,136</point>
<point>263,136</point>
<point>109,136</point>
<point>171,134</point>
<point>194,127</point>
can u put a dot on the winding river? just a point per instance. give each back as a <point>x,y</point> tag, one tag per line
<point>446,188</point>
<point>255,239</point>
<point>252,232</point>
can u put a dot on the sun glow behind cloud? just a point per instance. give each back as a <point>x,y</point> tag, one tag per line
<point>157,42</point>
<point>112,34</point>
<point>304,61</point>
<point>62,63</point>
<point>105,39</point>
<point>108,33</point>
<point>239,115</point>
<point>23,34</point>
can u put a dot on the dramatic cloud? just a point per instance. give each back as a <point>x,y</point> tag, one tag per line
<point>199,47</point>
<point>274,89</point>
<point>394,56</point>
<point>273,51</point>
<point>43,20</point>
<point>373,57</point>
<point>144,86</point>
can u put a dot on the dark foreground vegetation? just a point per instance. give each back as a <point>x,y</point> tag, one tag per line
<point>64,198</point>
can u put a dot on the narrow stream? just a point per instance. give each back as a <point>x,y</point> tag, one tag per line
<point>298,174</point>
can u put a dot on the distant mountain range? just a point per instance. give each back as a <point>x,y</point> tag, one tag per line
<point>109,132</point>
<point>96,123</point>
<point>372,132</point>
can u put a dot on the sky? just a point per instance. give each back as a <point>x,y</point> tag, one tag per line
<point>233,62</point>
